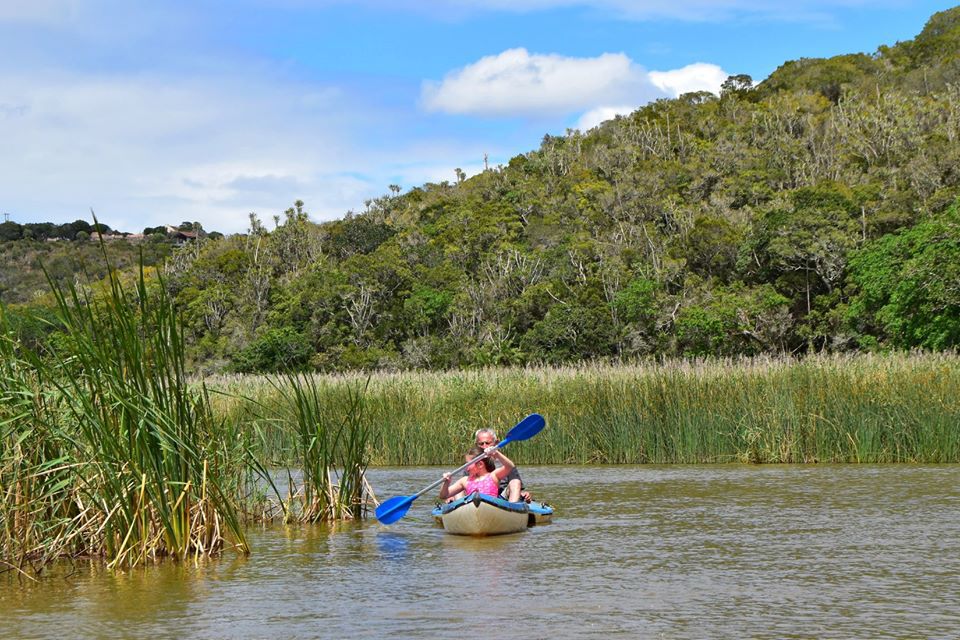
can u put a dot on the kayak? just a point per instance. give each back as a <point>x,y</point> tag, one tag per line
<point>482,515</point>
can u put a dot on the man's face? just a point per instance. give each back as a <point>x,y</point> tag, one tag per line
<point>485,440</point>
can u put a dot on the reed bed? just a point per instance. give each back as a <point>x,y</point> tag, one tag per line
<point>328,446</point>
<point>109,450</point>
<point>863,408</point>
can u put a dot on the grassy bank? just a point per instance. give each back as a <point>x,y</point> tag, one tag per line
<point>867,408</point>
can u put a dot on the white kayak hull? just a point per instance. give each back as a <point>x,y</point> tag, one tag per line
<point>482,515</point>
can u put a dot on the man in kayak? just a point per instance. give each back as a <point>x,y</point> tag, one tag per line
<point>511,486</point>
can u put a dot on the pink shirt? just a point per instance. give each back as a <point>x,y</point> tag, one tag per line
<point>487,485</point>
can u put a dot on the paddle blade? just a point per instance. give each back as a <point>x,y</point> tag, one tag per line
<point>393,509</point>
<point>525,429</point>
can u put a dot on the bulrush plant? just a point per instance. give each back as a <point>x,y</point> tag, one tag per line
<point>146,436</point>
<point>38,518</point>
<point>108,451</point>
<point>331,452</point>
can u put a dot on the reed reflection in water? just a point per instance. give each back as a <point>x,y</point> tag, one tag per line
<point>677,552</point>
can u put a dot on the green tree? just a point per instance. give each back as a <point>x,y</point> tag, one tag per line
<point>734,320</point>
<point>10,231</point>
<point>711,247</point>
<point>278,349</point>
<point>425,309</point>
<point>569,332</point>
<point>909,285</point>
<point>803,247</point>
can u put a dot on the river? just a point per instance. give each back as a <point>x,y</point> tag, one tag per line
<point>725,551</point>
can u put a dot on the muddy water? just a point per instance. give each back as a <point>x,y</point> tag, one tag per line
<point>634,552</point>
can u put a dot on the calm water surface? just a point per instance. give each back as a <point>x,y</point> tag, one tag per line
<point>634,552</point>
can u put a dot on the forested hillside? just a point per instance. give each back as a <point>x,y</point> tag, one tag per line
<point>816,211</point>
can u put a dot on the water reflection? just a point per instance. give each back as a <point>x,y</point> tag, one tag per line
<point>679,552</point>
<point>393,546</point>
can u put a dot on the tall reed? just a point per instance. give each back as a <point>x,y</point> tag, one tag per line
<point>330,443</point>
<point>865,408</point>
<point>147,432</point>
<point>108,449</point>
<point>36,514</point>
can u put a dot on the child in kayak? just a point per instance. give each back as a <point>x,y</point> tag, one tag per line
<point>483,475</point>
<point>511,487</point>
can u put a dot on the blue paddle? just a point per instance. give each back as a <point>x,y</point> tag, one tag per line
<point>397,507</point>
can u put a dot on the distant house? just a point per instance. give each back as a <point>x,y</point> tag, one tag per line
<point>181,235</point>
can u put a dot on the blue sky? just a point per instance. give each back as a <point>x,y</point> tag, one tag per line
<point>152,113</point>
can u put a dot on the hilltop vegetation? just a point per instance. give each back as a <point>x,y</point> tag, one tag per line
<point>22,262</point>
<point>816,211</point>
<point>33,254</point>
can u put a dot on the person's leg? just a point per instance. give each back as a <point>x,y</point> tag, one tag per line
<point>513,490</point>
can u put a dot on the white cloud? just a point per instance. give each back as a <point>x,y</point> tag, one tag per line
<point>517,83</point>
<point>154,149</point>
<point>151,149</point>
<point>592,118</point>
<point>699,76</point>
